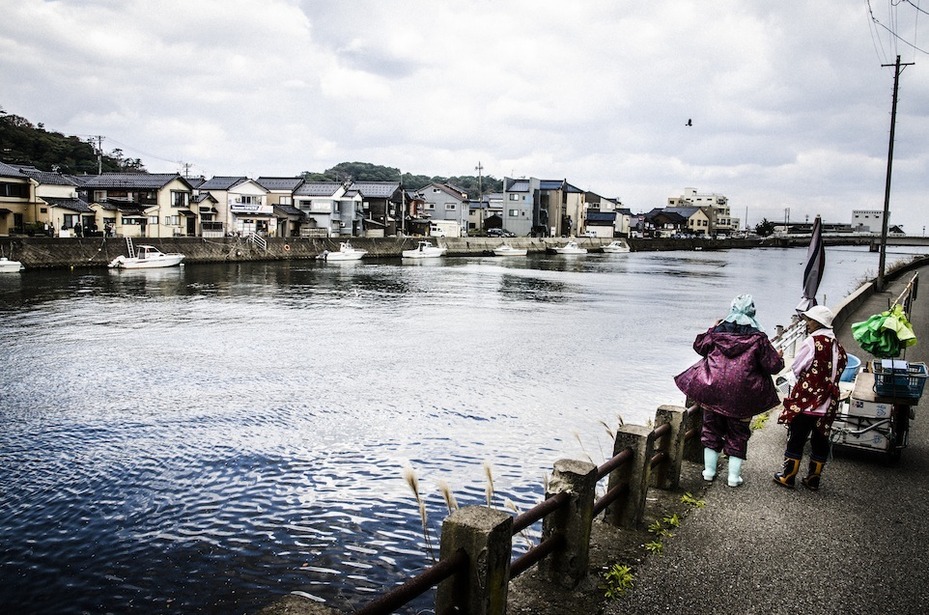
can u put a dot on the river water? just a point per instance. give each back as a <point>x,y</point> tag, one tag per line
<point>207,438</point>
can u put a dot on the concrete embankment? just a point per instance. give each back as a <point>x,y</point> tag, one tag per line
<point>77,252</point>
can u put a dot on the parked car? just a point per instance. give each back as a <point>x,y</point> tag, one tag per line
<point>499,232</point>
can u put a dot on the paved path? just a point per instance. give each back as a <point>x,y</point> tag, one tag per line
<point>859,545</point>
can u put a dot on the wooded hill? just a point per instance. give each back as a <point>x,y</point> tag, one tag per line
<point>25,143</point>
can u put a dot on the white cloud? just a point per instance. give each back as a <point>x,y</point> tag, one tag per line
<point>789,102</point>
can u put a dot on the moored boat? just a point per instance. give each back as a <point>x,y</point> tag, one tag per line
<point>506,249</point>
<point>147,257</point>
<point>346,252</point>
<point>424,250</point>
<point>8,266</point>
<point>570,248</point>
<point>615,247</point>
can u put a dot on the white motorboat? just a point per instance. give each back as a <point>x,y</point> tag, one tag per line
<point>570,248</point>
<point>346,252</point>
<point>424,250</point>
<point>506,249</point>
<point>615,247</point>
<point>147,257</point>
<point>8,266</point>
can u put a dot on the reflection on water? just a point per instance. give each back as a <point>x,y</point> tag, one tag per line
<point>206,438</point>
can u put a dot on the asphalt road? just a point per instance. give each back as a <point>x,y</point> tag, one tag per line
<point>858,545</point>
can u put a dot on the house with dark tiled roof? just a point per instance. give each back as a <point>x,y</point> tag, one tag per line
<point>326,210</point>
<point>445,202</point>
<point>382,205</point>
<point>281,198</point>
<point>17,194</point>
<point>563,206</point>
<point>242,206</point>
<point>141,204</point>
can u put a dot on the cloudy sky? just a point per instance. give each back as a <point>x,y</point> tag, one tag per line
<point>789,101</point>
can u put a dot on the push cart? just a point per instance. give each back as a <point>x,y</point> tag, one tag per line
<point>877,414</point>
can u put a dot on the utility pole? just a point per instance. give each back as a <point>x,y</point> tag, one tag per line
<point>480,192</point>
<point>898,68</point>
<point>99,149</point>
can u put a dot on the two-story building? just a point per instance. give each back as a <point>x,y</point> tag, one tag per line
<point>281,198</point>
<point>140,204</point>
<point>715,206</point>
<point>242,205</point>
<point>521,213</point>
<point>328,210</point>
<point>17,193</point>
<point>445,202</point>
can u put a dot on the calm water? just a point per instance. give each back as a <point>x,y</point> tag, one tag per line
<point>208,438</point>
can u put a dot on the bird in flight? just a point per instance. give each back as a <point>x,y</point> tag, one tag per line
<point>689,123</point>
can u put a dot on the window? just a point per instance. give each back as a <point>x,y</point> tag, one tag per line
<point>430,206</point>
<point>153,220</point>
<point>514,197</point>
<point>513,213</point>
<point>451,207</point>
<point>14,190</point>
<point>179,198</point>
<point>287,200</point>
<point>172,220</point>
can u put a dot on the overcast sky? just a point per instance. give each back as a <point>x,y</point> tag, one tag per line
<point>789,101</point>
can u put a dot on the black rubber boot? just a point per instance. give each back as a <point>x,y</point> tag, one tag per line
<point>811,481</point>
<point>788,475</point>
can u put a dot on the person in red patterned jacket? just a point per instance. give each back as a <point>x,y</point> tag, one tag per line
<point>811,406</point>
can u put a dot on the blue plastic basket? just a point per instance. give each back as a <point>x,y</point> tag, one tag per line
<point>899,379</point>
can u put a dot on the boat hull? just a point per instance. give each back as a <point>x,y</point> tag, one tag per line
<point>508,251</point>
<point>167,260</point>
<point>8,266</point>
<point>346,256</point>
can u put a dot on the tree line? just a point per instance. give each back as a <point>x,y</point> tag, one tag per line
<point>28,144</point>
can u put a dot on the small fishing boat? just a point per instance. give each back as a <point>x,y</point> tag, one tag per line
<point>8,266</point>
<point>570,248</point>
<point>424,250</point>
<point>615,247</point>
<point>346,252</point>
<point>506,249</point>
<point>147,257</point>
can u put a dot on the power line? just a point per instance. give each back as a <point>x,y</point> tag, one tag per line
<point>896,36</point>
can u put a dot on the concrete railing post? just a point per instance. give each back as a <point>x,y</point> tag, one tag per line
<point>668,474</point>
<point>486,536</point>
<point>568,566</point>
<point>629,511</point>
<point>693,448</point>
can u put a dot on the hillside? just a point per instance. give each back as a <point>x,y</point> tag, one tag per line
<point>25,143</point>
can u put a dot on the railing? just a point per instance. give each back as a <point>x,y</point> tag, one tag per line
<point>475,565</point>
<point>258,241</point>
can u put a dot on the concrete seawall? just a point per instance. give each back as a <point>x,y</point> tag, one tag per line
<point>75,252</point>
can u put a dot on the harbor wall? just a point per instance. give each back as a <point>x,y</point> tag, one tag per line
<point>88,252</point>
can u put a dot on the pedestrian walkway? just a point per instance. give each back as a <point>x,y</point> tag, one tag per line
<point>859,545</point>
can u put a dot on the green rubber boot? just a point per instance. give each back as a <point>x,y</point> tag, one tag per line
<point>735,471</point>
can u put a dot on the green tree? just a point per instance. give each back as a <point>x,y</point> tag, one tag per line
<point>764,228</point>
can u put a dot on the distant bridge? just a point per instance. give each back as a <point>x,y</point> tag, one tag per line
<point>898,240</point>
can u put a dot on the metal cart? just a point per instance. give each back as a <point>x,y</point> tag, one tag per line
<point>874,420</point>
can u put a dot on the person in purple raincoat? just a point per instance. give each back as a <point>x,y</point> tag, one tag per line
<point>732,382</point>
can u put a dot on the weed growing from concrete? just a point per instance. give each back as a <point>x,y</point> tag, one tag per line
<point>617,580</point>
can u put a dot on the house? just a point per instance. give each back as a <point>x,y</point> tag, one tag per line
<point>383,205</point>
<point>140,204</point>
<point>564,206</point>
<point>281,198</point>
<point>521,213</point>
<point>445,202</point>
<point>327,211</point>
<point>242,205</point>
<point>716,208</point>
<point>17,196</point>
<point>597,205</point>
<point>671,221</point>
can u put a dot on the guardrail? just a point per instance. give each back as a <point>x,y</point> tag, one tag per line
<point>475,556</point>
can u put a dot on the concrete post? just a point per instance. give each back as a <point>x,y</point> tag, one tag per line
<point>486,536</point>
<point>568,566</point>
<point>629,511</point>
<point>668,474</point>
<point>693,448</point>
